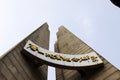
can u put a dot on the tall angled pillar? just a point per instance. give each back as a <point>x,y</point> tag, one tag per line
<point>15,66</point>
<point>68,43</point>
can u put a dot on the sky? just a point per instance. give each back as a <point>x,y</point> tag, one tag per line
<point>96,22</point>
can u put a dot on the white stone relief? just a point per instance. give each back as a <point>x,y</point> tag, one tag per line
<point>69,60</point>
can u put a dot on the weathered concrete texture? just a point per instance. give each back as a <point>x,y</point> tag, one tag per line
<point>14,66</point>
<point>68,43</point>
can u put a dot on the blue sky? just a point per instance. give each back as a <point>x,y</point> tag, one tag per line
<point>96,22</point>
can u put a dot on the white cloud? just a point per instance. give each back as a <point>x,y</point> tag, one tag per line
<point>88,27</point>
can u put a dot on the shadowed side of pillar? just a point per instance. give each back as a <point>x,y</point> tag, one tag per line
<point>15,66</point>
<point>67,43</point>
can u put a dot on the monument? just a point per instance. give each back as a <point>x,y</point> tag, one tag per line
<point>68,43</point>
<point>15,66</point>
<point>73,59</point>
